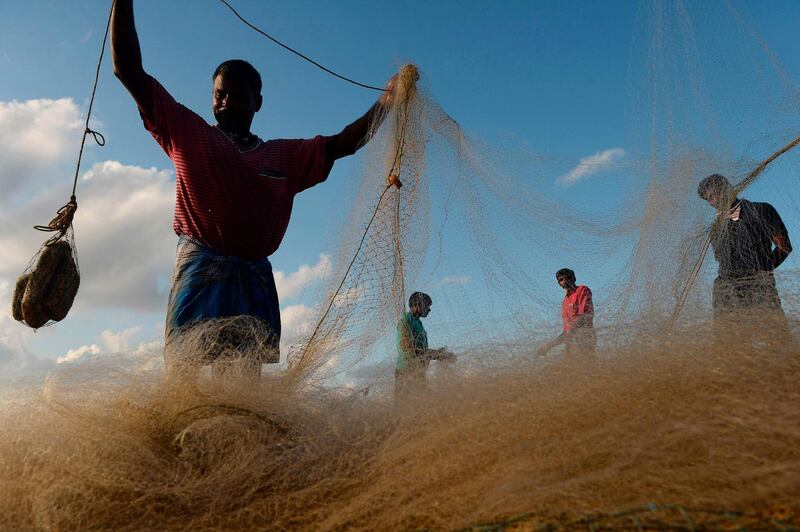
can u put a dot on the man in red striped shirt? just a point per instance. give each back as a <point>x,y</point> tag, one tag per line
<point>234,191</point>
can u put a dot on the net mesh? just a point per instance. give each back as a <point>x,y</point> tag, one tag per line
<point>44,293</point>
<point>693,411</point>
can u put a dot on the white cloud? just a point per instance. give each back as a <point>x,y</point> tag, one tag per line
<point>118,342</point>
<point>123,232</point>
<point>297,322</point>
<point>290,285</point>
<point>35,134</point>
<point>453,280</point>
<point>593,164</point>
<point>123,225</point>
<point>74,354</point>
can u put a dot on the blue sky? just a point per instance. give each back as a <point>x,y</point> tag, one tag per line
<point>552,74</point>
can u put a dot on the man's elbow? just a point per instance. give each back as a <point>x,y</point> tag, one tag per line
<point>123,75</point>
<point>126,75</point>
<point>783,243</point>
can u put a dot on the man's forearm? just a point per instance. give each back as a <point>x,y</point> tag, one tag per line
<point>352,137</point>
<point>781,250</point>
<point>125,50</point>
<point>127,55</point>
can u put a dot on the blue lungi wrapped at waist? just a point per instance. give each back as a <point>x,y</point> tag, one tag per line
<point>207,285</point>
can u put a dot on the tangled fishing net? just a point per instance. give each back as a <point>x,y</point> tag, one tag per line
<point>672,424</point>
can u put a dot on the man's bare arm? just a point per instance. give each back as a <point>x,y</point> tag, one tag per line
<point>127,55</point>
<point>355,135</point>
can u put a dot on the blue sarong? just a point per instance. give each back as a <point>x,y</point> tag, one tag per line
<point>208,285</point>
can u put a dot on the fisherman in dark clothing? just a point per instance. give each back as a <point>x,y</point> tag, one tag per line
<point>751,241</point>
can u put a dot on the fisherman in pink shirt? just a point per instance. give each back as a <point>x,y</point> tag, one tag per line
<point>577,312</point>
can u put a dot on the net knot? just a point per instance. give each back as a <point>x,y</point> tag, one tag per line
<point>62,220</point>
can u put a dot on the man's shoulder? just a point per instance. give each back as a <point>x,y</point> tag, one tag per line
<point>760,209</point>
<point>405,320</point>
<point>756,205</point>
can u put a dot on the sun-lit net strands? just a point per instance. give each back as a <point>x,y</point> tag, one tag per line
<point>664,427</point>
<point>568,444</point>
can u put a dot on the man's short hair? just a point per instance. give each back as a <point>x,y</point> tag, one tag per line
<point>565,272</point>
<point>714,182</point>
<point>419,299</point>
<point>240,70</point>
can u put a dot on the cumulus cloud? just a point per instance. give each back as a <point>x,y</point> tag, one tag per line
<point>34,134</point>
<point>114,343</point>
<point>297,322</point>
<point>117,342</point>
<point>591,165</point>
<point>123,230</point>
<point>292,284</point>
<point>74,354</point>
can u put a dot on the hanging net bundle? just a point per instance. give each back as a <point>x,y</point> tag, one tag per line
<point>45,291</point>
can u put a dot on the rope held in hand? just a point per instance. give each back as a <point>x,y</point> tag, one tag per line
<point>279,43</point>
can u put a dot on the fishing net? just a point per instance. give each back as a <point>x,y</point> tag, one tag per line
<point>684,417</point>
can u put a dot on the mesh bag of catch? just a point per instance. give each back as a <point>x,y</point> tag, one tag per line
<point>45,291</point>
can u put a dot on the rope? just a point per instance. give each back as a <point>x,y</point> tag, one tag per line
<point>744,183</point>
<point>303,56</point>
<point>63,219</point>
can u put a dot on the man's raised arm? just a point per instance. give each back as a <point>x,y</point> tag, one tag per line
<point>352,137</point>
<point>127,55</point>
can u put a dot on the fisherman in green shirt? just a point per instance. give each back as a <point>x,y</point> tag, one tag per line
<point>413,354</point>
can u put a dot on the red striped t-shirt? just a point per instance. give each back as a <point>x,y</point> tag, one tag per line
<point>236,202</point>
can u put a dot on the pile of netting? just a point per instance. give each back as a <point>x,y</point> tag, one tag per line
<point>671,423</point>
<point>530,444</point>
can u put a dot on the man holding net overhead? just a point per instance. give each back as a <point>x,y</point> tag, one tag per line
<point>749,243</point>
<point>234,192</point>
